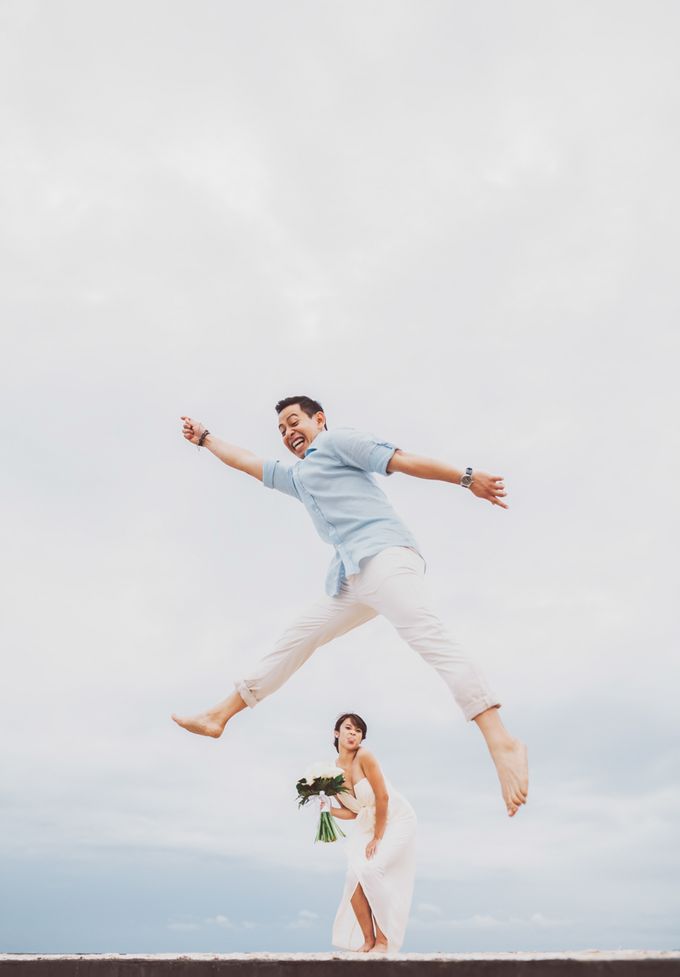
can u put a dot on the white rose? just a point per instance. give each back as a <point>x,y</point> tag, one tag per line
<point>311,774</point>
<point>322,769</point>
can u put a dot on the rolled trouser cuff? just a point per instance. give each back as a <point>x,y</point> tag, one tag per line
<point>473,709</point>
<point>245,694</point>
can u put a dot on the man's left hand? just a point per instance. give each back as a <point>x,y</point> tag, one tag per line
<point>489,487</point>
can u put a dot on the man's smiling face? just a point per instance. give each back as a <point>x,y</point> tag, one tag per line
<point>297,430</point>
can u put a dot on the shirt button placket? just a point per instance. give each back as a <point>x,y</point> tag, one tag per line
<point>333,534</point>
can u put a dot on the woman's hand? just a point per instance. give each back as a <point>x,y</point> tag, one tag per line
<point>372,847</point>
<point>192,430</point>
<point>489,487</point>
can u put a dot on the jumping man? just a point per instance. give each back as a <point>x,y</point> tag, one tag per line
<point>377,569</point>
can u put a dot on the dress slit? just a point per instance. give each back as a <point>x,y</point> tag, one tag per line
<point>384,928</point>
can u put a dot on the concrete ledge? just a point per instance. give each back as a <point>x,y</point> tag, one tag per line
<point>592,963</point>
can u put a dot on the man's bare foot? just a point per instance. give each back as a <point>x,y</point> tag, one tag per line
<point>379,947</point>
<point>512,767</point>
<point>204,724</point>
<point>213,721</point>
<point>367,945</point>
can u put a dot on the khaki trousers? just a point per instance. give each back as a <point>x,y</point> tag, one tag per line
<point>390,583</point>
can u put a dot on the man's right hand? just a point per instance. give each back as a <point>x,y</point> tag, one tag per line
<point>230,454</point>
<point>192,430</point>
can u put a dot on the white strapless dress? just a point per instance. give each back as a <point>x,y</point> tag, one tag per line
<point>387,878</point>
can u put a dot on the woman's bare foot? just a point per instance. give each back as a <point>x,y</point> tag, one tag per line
<point>379,947</point>
<point>512,767</point>
<point>367,946</point>
<point>204,724</point>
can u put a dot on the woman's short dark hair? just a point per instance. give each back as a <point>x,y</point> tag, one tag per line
<point>355,720</point>
<point>309,406</point>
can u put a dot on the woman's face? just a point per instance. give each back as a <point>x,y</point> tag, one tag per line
<point>349,735</point>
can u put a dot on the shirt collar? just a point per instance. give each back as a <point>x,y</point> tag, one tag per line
<point>315,443</point>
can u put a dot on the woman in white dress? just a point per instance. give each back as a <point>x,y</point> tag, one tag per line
<point>376,901</point>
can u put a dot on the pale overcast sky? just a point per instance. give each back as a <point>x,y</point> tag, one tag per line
<point>455,225</point>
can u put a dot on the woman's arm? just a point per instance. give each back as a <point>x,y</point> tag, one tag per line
<point>489,487</point>
<point>343,813</point>
<point>373,774</point>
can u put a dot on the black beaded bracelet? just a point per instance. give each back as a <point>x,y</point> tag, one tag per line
<point>203,437</point>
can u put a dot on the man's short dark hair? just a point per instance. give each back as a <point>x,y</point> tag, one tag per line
<point>309,406</point>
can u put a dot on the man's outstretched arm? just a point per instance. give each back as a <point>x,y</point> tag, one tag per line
<point>239,458</point>
<point>489,487</point>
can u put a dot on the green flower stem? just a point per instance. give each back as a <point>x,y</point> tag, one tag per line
<point>327,830</point>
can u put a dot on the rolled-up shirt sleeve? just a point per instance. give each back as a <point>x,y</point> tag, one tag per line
<point>360,450</point>
<point>279,477</point>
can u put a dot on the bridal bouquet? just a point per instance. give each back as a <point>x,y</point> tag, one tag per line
<point>323,780</point>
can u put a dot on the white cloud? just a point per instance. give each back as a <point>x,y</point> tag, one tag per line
<point>304,919</point>
<point>222,921</point>
<point>486,922</point>
<point>427,909</point>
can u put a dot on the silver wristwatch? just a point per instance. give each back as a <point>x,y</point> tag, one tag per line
<point>466,480</point>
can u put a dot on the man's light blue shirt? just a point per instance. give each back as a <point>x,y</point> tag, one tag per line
<point>349,510</point>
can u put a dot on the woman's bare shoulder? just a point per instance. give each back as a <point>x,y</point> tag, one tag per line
<point>367,760</point>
